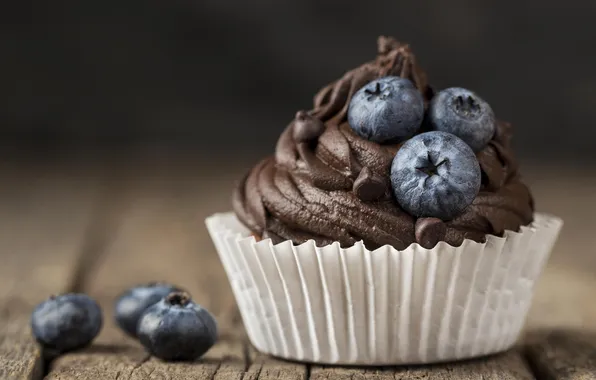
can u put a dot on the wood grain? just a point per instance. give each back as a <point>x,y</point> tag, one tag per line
<point>45,213</point>
<point>564,297</point>
<point>563,354</point>
<point>265,367</point>
<point>564,293</point>
<point>20,358</point>
<point>510,366</point>
<point>158,237</point>
<point>569,194</point>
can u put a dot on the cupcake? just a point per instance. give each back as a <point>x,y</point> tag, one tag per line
<point>391,226</point>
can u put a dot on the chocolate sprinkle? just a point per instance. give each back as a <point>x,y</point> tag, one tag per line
<point>368,186</point>
<point>430,231</point>
<point>307,127</point>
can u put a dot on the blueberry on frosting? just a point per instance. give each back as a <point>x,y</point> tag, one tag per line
<point>464,114</point>
<point>435,174</point>
<point>330,178</point>
<point>388,109</point>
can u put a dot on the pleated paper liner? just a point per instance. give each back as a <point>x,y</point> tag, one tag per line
<point>384,307</point>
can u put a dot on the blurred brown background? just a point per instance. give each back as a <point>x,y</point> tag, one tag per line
<point>228,75</point>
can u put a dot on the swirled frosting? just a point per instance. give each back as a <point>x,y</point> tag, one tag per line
<point>328,184</point>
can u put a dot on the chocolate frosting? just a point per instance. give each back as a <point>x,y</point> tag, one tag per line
<point>328,184</point>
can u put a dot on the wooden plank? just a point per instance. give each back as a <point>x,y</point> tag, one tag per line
<point>564,297</point>
<point>160,236</point>
<point>568,193</point>
<point>45,211</point>
<point>564,293</point>
<point>563,354</point>
<point>510,366</point>
<point>264,367</point>
<point>20,357</point>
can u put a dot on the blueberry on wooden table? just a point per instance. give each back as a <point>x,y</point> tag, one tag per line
<point>463,113</point>
<point>177,329</point>
<point>66,322</point>
<point>386,110</point>
<point>435,174</point>
<point>131,304</point>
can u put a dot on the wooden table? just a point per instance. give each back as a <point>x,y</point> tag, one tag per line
<point>101,226</point>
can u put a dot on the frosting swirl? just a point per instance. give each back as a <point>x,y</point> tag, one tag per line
<point>328,184</point>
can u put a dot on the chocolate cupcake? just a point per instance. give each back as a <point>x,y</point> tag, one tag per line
<point>391,226</point>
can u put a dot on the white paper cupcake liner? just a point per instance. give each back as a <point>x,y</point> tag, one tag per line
<point>384,307</point>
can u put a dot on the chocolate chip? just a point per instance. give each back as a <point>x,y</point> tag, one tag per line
<point>368,186</point>
<point>307,127</point>
<point>430,231</point>
<point>302,114</point>
<point>386,44</point>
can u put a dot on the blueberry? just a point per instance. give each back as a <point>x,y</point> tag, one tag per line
<point>386,110</point>
<point>131,304</point>
<point>176,328</point>
<point>435,174</point>
<point>66,322</point>
<point>464,114</point>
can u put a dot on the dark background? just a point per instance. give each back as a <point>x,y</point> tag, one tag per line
<point>222,76</point>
